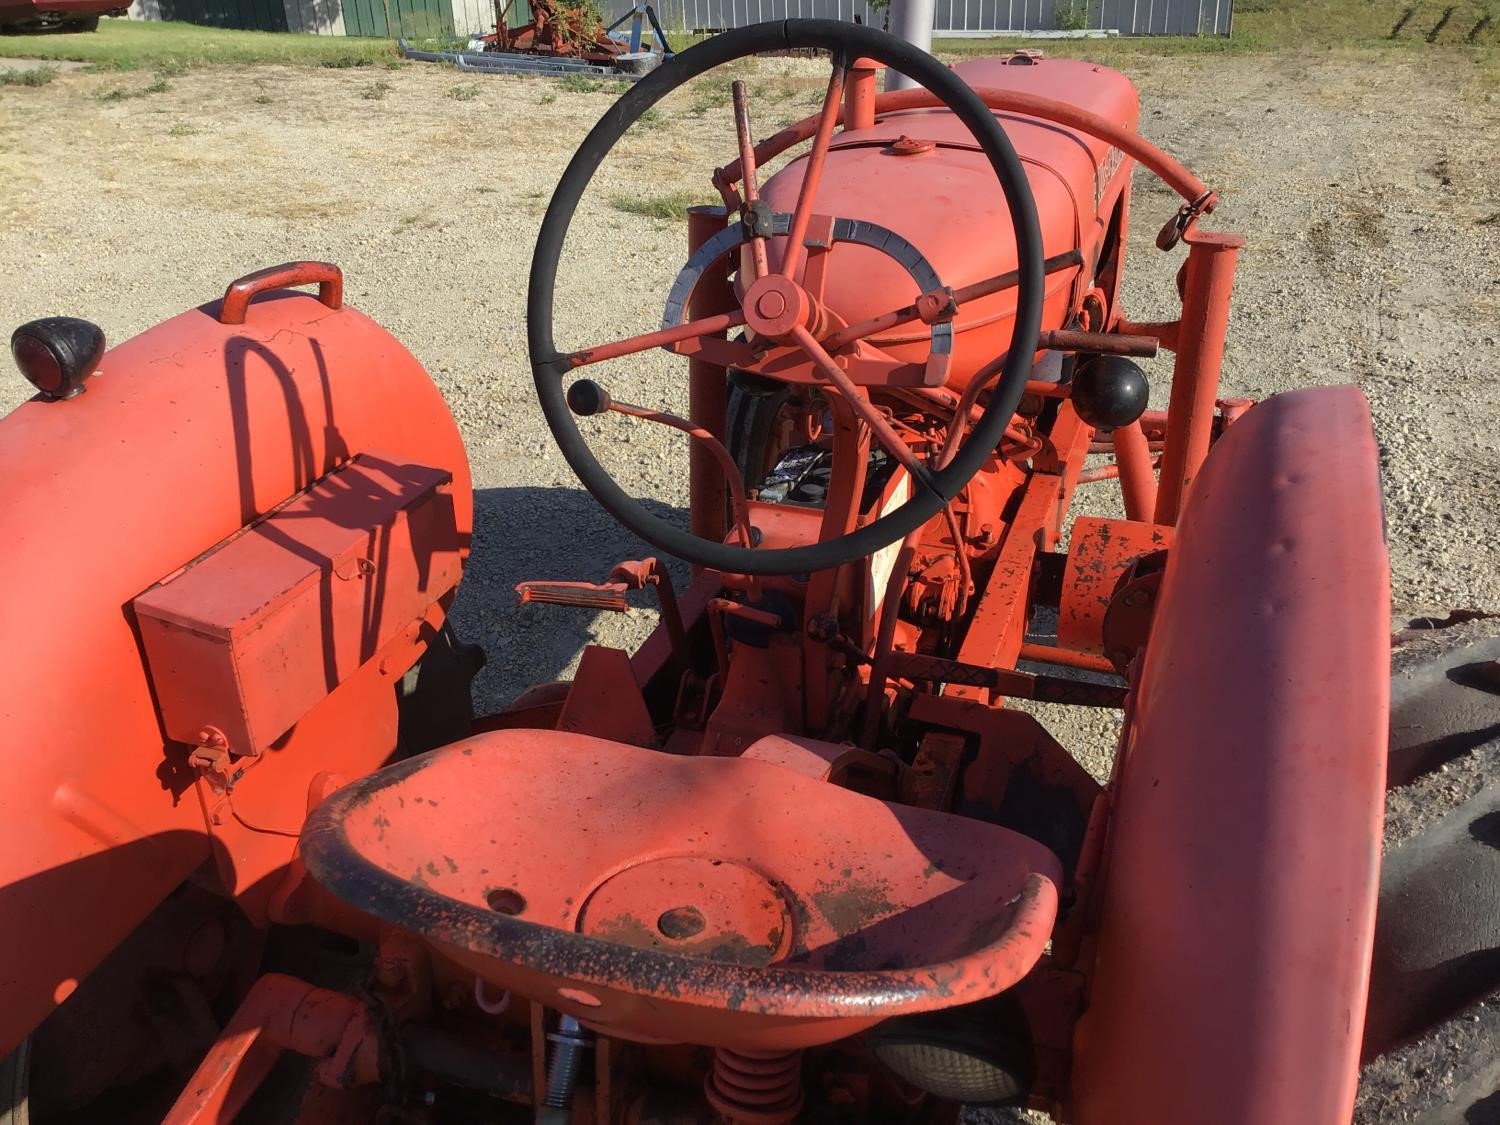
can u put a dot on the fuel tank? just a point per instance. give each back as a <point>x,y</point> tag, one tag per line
<point>199,446</point>
<point>937,190</point>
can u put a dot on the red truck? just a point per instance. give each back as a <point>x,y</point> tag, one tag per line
<point>56,15</point>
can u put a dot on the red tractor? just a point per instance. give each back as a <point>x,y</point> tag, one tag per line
<point>795,859</point>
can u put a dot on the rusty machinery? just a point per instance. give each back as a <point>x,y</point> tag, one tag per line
<point>796,858</point>
<point>570,29</point>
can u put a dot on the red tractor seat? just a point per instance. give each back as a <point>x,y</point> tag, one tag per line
<point>722,901</point>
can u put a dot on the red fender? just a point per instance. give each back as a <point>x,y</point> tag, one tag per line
<point>188,431</point>
<point>1238,915</point>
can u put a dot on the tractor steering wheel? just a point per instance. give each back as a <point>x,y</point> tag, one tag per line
<point>931,489</point>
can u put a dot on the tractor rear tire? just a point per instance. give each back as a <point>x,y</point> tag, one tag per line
<point>15,1082</point>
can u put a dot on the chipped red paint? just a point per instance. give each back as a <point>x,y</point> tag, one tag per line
<point>1099,553</point>
<point>879,909</point>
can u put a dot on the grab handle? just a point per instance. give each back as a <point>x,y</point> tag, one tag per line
<point>237,298</point>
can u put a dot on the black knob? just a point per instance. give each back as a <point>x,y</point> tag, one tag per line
<point>587,397</point>
<point>57,353</point>
<point>1109,392</point>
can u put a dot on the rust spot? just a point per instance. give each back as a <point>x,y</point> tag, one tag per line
<point>731,948</point>
<point>852,907</point>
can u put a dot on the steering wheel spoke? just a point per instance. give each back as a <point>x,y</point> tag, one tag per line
<point>750,213</point>
<point>679,337</point>
<point>859,402</point>
<point>812,174</point>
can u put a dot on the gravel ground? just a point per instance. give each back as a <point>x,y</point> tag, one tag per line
<point>1370,204</point>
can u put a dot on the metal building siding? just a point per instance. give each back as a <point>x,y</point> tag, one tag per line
<point>250,15</point>
<point>477,17</point>
<point>388,19</point>
<point>994,17</point>
<point>315,17</point>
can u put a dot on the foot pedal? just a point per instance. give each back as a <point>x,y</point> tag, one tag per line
<point>610,596</point>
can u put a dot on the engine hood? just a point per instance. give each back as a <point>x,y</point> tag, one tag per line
<point>942,196</point>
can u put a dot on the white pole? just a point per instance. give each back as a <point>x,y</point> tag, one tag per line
<point>910,20</point>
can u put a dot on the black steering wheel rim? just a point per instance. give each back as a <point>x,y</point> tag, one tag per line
<point>548,366</point>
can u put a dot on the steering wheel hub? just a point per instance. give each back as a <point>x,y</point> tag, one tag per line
<point>774,305</point>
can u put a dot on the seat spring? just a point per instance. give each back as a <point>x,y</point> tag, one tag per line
<point>756,1087</point>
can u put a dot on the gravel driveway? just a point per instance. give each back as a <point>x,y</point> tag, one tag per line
<point>1370,204</point>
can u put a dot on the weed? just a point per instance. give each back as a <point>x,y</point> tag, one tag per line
<point>710,97</point>
<point>464,91</point>
<point>377,91</point>
<point>181,130</point>
<point>673,205</point>
<point>346,61</point>
<point>547,99</point>
<point>649,117</point>
<point>579,84</point>
<point>171,68</point>
<point>124,94</point>
<point>1072,16</point>
<point>37,77</point>
<point>262,99</point>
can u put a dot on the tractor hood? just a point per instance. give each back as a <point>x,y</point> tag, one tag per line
<point>937,190</point>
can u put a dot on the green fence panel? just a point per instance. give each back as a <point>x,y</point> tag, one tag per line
<point>409,19</point>
<point>252,15</point>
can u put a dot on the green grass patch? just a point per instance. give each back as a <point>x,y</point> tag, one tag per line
<point>579,84</point>
<point>464,91</point>
<point>36,76</point>
<point>174,48</point>
<point>377,91</point>
<point>347,60</point>
<point>125,93</point>
<point>711,96</point>
<point>673,205</point>
<point>181,130</point>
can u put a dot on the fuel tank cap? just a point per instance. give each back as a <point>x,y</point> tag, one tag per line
<point>908,146</point>
<point>57,353</point>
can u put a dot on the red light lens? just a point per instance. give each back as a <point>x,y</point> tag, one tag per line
<point>38,364</point>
